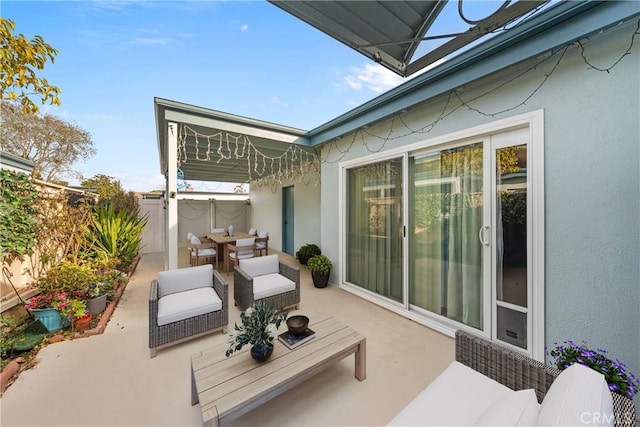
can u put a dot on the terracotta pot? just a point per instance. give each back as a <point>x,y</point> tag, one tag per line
<point>81,324</point>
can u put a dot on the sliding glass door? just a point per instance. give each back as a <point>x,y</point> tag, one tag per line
<point>374,228</point>
<point>464,258</point>
<point>445,254</point>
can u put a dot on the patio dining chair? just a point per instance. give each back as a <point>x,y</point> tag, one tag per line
<point>199,250</point>
<point>262,242</point>
<point>242,249</point>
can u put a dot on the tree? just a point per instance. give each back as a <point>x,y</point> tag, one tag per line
<point>106,186</point>
<point>110,190</point>
<point>52,144</point>
<point>21,58</point>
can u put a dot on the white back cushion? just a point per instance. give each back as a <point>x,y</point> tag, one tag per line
<point>578,396</point>
<point>516,409</point>
<point>263,234</point>
<point>262,265</point>
<point>184,279</point>
<point>195,240</point>
<point>252,231</point>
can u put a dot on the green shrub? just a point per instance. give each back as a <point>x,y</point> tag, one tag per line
<point>67,276</point>
<point>306,252</point>
<point>18,220</point>
<point>320,264</point>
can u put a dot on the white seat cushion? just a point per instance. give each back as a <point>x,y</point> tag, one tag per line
<point>516,409</point>
<point>184,279</point>
<point>271,284</point>
<point>578,396</point>
<point>204,252</point>
<point>262,265</point>
<point>184,305</point>
<point>456,397</point>
<point>241,255</point>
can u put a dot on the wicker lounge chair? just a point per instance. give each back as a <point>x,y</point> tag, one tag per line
<point>181,282</point>
<point>519,372</point>
<point>259,276</point>
<point>489,384</point>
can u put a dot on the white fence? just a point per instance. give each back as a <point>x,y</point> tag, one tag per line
<point>194,216</point>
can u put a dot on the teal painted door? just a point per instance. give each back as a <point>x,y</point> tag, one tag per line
<point>287,220</point>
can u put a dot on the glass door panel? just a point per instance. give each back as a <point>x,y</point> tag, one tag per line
<point>511,253</point>
<point>374,228</point>
<point>445,218</point>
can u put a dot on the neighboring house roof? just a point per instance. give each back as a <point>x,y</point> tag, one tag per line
<point>390,32</point>
<point>15,163</point>
<point>552,28</point>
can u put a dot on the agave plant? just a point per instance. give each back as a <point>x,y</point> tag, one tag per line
<point>117,234</point>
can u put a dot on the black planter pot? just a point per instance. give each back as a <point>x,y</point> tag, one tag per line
<point>320,280</point>
<point>261,354</point>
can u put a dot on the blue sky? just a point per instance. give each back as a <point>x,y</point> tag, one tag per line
<point>246,58</point>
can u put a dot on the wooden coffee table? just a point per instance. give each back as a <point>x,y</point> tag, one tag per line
<point>228,387</point>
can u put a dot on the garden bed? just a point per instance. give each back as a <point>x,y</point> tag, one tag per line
<point>27,359</point>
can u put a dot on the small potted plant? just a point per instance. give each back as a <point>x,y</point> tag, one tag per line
<point>306,252</point>
<point>258,326</point>
<point>320,267</point>
<point>76,311</point>
<point>97,294</point>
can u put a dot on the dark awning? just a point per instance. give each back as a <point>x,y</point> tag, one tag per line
<point>390,32</point>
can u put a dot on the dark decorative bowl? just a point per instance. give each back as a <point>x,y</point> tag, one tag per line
<point>297,324</point>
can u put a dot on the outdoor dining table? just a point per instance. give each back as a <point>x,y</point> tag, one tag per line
<point>222,240</point>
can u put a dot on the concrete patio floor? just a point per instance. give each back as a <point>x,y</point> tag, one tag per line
<point>109,379</point>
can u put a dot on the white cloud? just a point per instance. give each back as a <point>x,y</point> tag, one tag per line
<point>277,101</point>
<point>372,77</point>
<point>244,28</point>
<point>150,41</point>
<point>376,78</point>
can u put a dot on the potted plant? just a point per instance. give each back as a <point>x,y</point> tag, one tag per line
<point>615,372</point>
<point>320,267</point>
<point>257,328</point>
<point>75,310</point>
<point>47,308</point>
<point>306,252</point>
<point>96,296</point>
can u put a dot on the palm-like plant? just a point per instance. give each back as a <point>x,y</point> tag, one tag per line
<point>117,234</point>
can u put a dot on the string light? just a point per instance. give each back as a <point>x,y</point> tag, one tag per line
<point>362,134</point>
<point>292,164</point>
<point>298,164</point>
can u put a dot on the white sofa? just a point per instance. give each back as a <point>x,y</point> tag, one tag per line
<point>186,303</point>
<point>489,385</point>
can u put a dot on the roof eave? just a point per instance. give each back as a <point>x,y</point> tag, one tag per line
<point>541,34</point>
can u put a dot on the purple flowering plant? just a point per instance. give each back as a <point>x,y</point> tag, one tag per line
<point>614,371</point>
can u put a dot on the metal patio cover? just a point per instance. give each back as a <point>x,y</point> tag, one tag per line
<point>389,32</point>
